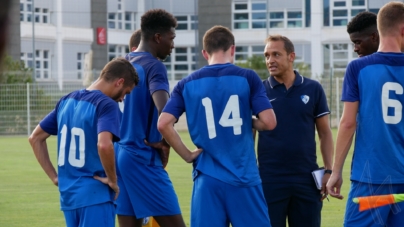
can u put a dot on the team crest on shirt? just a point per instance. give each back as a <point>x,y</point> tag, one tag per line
<point>305,98</point>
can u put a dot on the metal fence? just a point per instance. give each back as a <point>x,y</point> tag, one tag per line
<point>22,106</point>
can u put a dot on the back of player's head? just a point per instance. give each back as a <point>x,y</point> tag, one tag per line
<point>120,68</point>
<point>289,47</point>
<point>217,38</point>
<point>135,39</point>
<point>390,17</point>
<point>361,22</point>
<point>156,21</point>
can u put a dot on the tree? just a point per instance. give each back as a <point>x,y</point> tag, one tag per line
<point>14,72</point>
<point>257,63</point>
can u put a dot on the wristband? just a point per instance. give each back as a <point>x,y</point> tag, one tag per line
<point>328,171</point>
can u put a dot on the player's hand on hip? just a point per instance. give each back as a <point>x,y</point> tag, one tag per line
<point>334,185</point>
<point>163,148</point>
<point>112,185</point>
<point>55,181</point>
<point>194,154</point>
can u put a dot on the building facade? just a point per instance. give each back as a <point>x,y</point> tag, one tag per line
<point>65,31</point>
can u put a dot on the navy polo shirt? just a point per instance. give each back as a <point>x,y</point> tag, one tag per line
<point>288,153</point>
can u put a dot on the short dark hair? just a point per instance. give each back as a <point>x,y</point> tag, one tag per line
<point>217,38</point>
<point>361,22</point>
<point>289,47</point>
<point>120,68</point>
<point>156,21</point>
<point>135,39</point>
<point>390,16</point>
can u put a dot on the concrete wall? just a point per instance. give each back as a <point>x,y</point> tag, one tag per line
<point>210,13</point>
<point>13,46</point>
<point>99,19</point>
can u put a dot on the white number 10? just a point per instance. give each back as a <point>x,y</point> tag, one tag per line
<point>232,109</point>
<point>76,162</point>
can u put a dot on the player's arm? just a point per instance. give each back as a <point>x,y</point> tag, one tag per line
<point>266,120</point>
<point>326,148</point>
<point>160,99</point>
<point>107,156</point>
<point>345,135</point>
<point>166,127</point>
<point>38,143</point>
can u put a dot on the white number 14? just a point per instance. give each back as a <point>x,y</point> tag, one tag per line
<point>232,109</point>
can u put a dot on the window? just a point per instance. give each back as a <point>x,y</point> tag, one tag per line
<point>182,22</point>
<point>295,19</point>
<point>42,63</point>
<point>240,16</point>
<point>358,2</point>
<point>241,53</point>
<point>80,65</point>
<point>181,62</point>
<point>117,51</point>
<point>276,19</point>
<point>122,21</point>
<point>340,17</point>
<point>194,22</point>
<point>355,12</point>
<point>258,15</point>
<point>42,15</point>
<point>337,56</point>
<point>258,50</point>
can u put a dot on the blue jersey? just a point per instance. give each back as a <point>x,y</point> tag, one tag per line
<point>77,119</point>
<point>376,82</point>
<point>139,119</point>
<point>219,101</point>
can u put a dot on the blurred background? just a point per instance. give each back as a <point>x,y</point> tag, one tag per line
<point>56,46</point>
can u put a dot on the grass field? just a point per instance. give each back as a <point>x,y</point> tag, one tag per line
<point>28,198</point>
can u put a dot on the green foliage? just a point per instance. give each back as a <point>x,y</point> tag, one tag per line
<point>257,63</point>
<point>14,72</point>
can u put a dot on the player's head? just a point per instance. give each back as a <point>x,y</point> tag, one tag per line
<point>279,55</point>
<point>122,77</point>
<point>390,21</point>
<point>362,30</point>
<point>158,30</point>
<point>218,38</point>
<point>135,40</point>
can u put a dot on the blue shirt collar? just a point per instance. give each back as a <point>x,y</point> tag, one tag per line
<point>298,80</point>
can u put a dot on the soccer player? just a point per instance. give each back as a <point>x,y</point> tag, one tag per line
<point>362,30</point>
<point>146,189</point>
<point>135,40</point>
<point>373,101</point>
<point>287,154</point>
<point>219,100</point>
<point>87,123</point>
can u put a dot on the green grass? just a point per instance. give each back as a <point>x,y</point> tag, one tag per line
<point>28,198</point>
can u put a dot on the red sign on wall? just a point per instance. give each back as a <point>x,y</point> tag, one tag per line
<point>101,36</point>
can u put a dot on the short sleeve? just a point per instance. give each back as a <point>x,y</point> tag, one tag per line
<point>258,98</point>
<point>109,118</point>
<point>176,104</point>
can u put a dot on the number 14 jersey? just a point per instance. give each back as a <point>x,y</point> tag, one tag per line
<point>219,101</point>
<point>376,82</point>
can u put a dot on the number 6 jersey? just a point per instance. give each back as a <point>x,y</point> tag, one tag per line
<point>77,119</point>
<point>219,101</point>
<point>376,82</point>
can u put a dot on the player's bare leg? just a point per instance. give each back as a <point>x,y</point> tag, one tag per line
<point>170,221</point>
<point>129,221</point>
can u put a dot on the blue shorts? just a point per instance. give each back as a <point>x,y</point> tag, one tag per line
<point>298,203</point>
<point>100,215</point>
<point>144,190</point>
<point>215,203</point>
<point>389,215</point>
